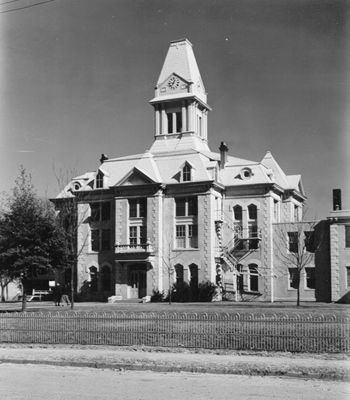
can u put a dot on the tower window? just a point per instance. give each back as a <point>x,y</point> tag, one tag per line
<point>170,122</point>
<point>178,122</point>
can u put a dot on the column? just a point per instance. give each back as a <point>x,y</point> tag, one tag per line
<point>164,121</point>
<point>174,122</point>
<point>157,127</point>
<point>184,117</point>
<point>190,109</point>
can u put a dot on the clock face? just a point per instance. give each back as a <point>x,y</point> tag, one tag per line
<point>173,83</point>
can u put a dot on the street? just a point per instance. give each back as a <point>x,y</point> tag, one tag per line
<point>29,381</point>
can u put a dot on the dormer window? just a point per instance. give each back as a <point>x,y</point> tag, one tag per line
<point>246,173</point>
<point>76,185</point>
<point>186,173</point>
<point>99,180</point>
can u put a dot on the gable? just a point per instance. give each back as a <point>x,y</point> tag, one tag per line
<point>173,84</point>
<point>135,177</point>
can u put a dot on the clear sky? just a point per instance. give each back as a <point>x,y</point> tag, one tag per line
<point>76,77</point>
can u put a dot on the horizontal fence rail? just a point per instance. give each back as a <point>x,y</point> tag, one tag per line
<point>271,332</point>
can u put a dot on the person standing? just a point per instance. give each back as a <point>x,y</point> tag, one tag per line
<point>57,294</point>
<point>64,296</point>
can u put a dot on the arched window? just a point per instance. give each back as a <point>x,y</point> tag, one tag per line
<point>240,280</point>
<point>238,223</point>
<point>253,278</point>
<point>106,278</point>
<point>194,276</point>
<point>179,270</point>
<point>93,279</point>
<point>237,213</point>
<point>253,226</point>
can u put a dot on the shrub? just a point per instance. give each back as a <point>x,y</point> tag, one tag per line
<point>206,291</point>
<point>157,296</point>
<point>181,293</point>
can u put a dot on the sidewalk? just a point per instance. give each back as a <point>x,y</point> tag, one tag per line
<point>328,367</point>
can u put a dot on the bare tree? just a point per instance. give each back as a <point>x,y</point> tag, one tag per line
<point>71,219</point>
<point>295,244</point>
<point>169,259</point>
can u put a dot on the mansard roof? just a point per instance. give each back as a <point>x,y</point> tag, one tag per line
<point>165,167</point>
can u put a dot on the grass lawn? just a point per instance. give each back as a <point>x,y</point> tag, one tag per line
<point>220,307</point>
<point>312,327</point>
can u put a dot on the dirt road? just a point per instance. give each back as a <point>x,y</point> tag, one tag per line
<point>41,382</point>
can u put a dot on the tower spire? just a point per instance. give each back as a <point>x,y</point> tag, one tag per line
<point>180,99</point>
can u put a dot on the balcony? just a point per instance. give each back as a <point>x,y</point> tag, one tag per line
<point>140,251</point>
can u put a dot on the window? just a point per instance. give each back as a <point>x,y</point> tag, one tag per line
<point>237,211</point>
<point>106,211</point>
<point>238,222</point>
<point>93,279</point>
<point>133,235</point>
<point>193,236</point>
<point>137,208</point>
<point>106,278</point>
<point>95,240</point>
<point>170,122</point>
<point>181,236</point>
<point>194,277</point>
<point>310,278</point>
<point>178,122</point>
<point>347,235</point>
<point>253,278</point>
<point>99,180</point>
<point>106,239</point>
<point>179,270</point>
<point>348,276</point>
<point>186,173</point>
<point>309,241</point>
<point>137,235</point>
<point>293,278</point>
<point>253,226</point>
<point>100,211</point>
<point>186,236</point>
<point>252,211</point>
<point>293,242</point>
<point>186,206</point>
<point>95,212</point>
<point>100,239</point>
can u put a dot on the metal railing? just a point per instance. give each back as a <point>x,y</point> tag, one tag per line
<point>234,331</point>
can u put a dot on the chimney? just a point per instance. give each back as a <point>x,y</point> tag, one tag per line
<point>103,158</point>
<point>336,199</point>
<point>223,154</point>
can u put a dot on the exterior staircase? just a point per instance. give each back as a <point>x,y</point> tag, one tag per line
<point>233,253</point>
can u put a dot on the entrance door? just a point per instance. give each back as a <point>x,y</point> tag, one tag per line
<point>137,281</point>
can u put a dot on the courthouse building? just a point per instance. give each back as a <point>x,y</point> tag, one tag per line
<point>208,215</point>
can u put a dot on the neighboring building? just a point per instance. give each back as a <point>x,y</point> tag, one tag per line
<point>210,215</point>
<point>340,254</point>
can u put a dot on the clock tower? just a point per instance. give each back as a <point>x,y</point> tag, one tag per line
<point>180,102</point>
